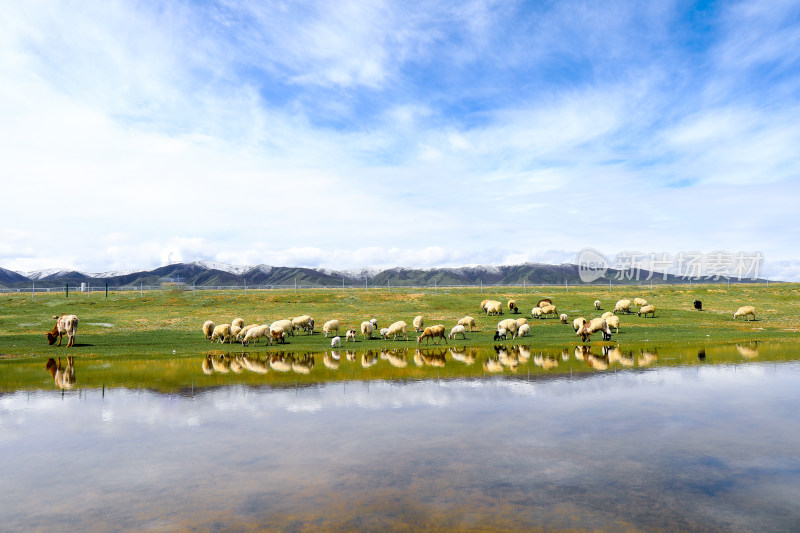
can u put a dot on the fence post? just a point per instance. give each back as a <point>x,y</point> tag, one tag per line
<point>106,289</point>
<point>67,288</point>
<point>141,289</point>
<point>33,288</point>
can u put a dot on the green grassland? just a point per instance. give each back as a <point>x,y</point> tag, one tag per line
<point>154,341</point>
<point>158,322</point>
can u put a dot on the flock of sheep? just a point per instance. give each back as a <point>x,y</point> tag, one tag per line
<point>279,330</point>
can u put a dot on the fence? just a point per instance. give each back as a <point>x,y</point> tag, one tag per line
<point>88,289</point>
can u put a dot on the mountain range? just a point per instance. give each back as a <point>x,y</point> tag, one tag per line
<point>210,274</point>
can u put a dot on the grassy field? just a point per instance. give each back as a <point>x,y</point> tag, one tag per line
<point>159,322</point>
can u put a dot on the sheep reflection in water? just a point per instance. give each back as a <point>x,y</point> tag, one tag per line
<point>493,364</point>
<point>430,357</point>
<point>547,362</point>
<point>615,355</point>
<point>281,362</point>
<point>749,351</point>
<point>331,360</point>
<point>647,358</point>
<point>303,364</point>
<point>396,358</point>
<point>507,357</point>
<point>368,359</point>
<point>64,378</point>
<point>253,364</point>
<point>464,355</point>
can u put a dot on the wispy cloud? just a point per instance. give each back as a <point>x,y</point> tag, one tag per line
<point>416,134</point>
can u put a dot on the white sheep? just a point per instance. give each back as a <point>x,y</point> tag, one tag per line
<point>235,330</point>
<point>208,328</point>
<point>244,330</point>
<point>647,309</point>
<point>277,334</point>
<point>639,302</point>
<point>521,321</point>
<point>350,335</point>
<point>221,332</point>
<point>563,318</point>
<point>578,323</point>
<point>336,342</point>
<point>304,322</point>
<point>253,334</point>
<point>418,323</point>
<point>623,306</point>
<point>493,307</point>
<point>237,322</point>
<point>367,328</point>
<point>330,326</point>
<point>536,312</point>
<point>467,322</point>
<point>458,330</point>
<point>597,305</point>
<point>374,322</point>
<point>607,314</point>
<point>549,309</point>
<point>397,328</point>
<point>524,330</point>
<point>384,333</point>
<point>285,325</point>
<point>613,322</point>
<point>592,326</point>
<point>745,311</point>
<point>510,325</point>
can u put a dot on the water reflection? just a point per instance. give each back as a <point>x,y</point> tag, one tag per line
<point>499,358</point>
<point>64,378</point>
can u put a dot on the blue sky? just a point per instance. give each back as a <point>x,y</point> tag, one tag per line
<point>352,134</point>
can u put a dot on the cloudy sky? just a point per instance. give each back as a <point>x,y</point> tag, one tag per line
<point>377,134</point>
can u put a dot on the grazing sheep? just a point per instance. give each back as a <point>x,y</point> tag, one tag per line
<point>592,326</point>
<point>697,305</point>
<point>278,335</point>
<point>304,322</point>
<point>285,325</point>
<point>384,333</point>
<point>65,325</point>
<point>607,314</point>
<point>613,322</point>
<point>493,307</point>
<point>208,328</point>
<point>745,311</point>
<point>549,309</point>
<point>418,323</point>
<point>433,332</point>
<point>458,330</point>
<point>563,318</point>
<point>244,330</point>
<point>639,302</point>
<point>536,312</point>
<point>512,306</point>
<point>647,309</point>
<point>367,328</point>
<point>483,304</point>
<point>467,322</point>
<point>235,330</point>
<point>336,342</point>
<point>521,321</point>
<point>330,326</point>
<point>397,328</point>
<point>253,334</point>
<point>623,306</point>
<point>237,322</point>
<point>597,305</point>
<point>350,335</point>
<point>221,332</point>
<point>500,334</point>
<point>524,330</point>
<point>510,325</point>
<point>374,322</point>
<point>578,323</point>
<point>544,301</point>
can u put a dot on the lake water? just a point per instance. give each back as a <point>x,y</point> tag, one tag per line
<point>677,443</point>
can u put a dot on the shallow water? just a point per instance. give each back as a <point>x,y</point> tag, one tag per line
<point>705,444</point>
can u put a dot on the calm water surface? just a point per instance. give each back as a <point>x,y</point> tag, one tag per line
<point>709,447</point>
